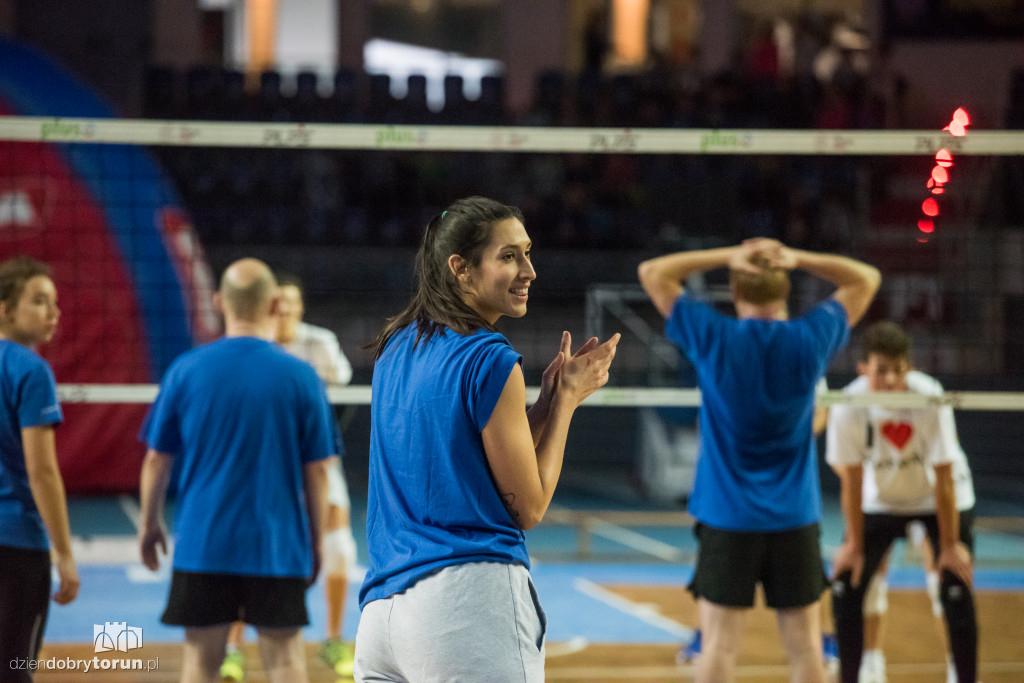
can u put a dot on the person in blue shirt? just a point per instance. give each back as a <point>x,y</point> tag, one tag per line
<point>319,347</point>
<point>252,428</point>
<point>33,506</point>
<point>756,496</point>
<point>459,468</point>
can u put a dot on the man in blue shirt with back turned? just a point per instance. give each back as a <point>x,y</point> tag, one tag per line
<point>756,496</point>
<point>251,426</point>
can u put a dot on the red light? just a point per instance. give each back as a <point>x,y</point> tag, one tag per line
<point>956,129</point>
<point>958,126</point>
<point>940,175</point>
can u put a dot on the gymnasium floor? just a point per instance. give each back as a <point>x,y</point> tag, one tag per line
<point>618,613</point>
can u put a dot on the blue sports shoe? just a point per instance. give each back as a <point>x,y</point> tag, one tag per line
<point>690,651</point>
<point>830,648</point>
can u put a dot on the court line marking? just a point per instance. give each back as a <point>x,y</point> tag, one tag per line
<point>130,509</point>
<point>636,541</point>
<point>596,526</point>
<point>642,612</point>
<point>566,647</point>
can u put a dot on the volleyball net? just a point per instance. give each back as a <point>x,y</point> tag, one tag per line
<point>137,217</point>
<point>524,139</point>
<point>610,397</point>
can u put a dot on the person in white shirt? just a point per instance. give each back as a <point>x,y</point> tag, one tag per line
<point>318,346</point>
<point>896,466</point>
<point>876,605</point>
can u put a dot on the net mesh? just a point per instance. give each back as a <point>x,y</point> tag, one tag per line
<point>137,216</point>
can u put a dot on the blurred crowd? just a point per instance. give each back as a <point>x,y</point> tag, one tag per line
<point>802,76</point>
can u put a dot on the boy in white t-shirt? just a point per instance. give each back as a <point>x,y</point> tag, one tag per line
<point>896,466</point>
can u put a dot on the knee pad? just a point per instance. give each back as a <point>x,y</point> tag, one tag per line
<point>931,580</point>
<point>958,605</point>
<point>876,600</point>
<point>846,600</point>
<point>917,533</point>
<point>339,551</point>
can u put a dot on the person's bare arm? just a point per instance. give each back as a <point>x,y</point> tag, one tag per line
<point>820,420</point>
<point>339,369</point>
<point>526,474</point>
<point>662,277</point>
<point>314,486</point>
<point>850,555</point>
<point>48,493</point>
<point>153,481</point>
<point>856,282</point>
<point>952,554</point>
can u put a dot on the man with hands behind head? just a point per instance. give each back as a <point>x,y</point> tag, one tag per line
<point>756,496</point>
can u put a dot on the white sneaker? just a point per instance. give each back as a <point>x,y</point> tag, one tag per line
<point>872,667</point>
<point>951,673</point>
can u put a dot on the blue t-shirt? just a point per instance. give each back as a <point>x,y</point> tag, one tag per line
<point>28,398</point>
<point>431,500</point>
<point>757,468</point>
<point>243,416</point>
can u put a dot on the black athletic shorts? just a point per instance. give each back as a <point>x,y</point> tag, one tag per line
<point>200,599</point>
<point>881,529</point>
<point>787,564</point>
<point>24,604</point>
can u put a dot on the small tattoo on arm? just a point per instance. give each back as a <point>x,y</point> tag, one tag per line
<point>508,500</point>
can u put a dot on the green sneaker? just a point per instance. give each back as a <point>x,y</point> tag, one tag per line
<point>338,656</point>
<point>233,668</point>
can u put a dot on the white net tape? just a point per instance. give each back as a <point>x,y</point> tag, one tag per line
<point>506,139</point>
<point>526,139</point>
<point>607,397</point>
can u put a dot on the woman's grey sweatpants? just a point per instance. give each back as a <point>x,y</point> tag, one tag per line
<point>480,621</point>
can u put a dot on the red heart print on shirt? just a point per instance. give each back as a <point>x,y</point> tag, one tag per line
<point>898,433</point>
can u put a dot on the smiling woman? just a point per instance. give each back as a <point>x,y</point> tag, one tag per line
<point>458,467</point>
<point>499,284</point>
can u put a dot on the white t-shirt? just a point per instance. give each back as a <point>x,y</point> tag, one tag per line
<point>319,347</point>
<point>899,449</point>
